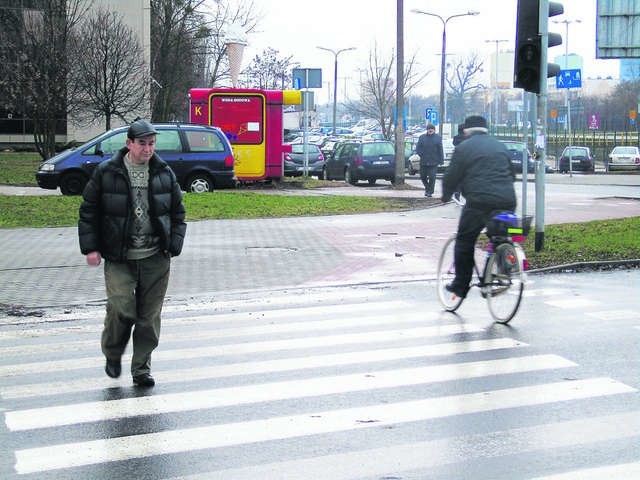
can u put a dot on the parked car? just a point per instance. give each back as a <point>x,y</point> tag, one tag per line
<point>200,156</point>
<point>414,163</point>
<point>581,159</point>
<point>294,161</point>
<point>624,158</point>
<point>447,147</point>
<point>414,159</point>
<point>516,151</point>
<point>314,138</point>
<point>329,145</point>
<point>355,160</point>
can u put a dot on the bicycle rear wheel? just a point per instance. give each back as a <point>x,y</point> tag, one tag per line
<point>503,283</point>
<point>445,275</point>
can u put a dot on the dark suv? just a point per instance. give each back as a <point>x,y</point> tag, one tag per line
<point>200,156</point>
<point>581,159</point>
<point>516,153</point>
<point>354,160</point>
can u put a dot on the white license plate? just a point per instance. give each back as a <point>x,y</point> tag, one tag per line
<point>381,162</point>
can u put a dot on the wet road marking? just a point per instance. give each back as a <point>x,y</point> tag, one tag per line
<point>393,461</point>
<point>622,471</point>
<point>299,343</point>
<point>569,302</point>
<point>215,436</point>
<point>252,368</point>
<point>318,386</point>
<point>169,335</point>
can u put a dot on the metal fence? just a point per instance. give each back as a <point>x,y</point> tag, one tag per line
<point>599,142</point>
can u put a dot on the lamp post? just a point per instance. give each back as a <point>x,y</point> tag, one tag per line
<point>567,100</point>
<point>444,55</point>
<point>496,102</point>
<point>335,80</point>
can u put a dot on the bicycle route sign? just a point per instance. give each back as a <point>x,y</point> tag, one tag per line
<point>571,78</point>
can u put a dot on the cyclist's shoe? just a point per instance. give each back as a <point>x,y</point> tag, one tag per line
<point>456,289</point>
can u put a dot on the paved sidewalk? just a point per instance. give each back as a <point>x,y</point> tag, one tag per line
<point>43,267</point>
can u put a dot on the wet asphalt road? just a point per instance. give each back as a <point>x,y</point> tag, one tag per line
<point>315,348</point>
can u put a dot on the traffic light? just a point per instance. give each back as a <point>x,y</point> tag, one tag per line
<point>530,27</point>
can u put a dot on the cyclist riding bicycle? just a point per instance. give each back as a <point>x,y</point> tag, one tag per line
<point>481,170</point>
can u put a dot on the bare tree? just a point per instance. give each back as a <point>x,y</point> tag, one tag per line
<point>243,13</point>
<point>36,66</point>
<point>176,32</point>
<point>188,49</point>
<point>268,71</point>
<point>110,78</point>
<point>379,89</point>
<point>461,79</point>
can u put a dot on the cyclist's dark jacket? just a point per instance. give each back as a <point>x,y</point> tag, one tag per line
<point>104,212</point>
<point>481,169</point>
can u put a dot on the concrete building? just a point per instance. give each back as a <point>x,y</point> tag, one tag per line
<point>136,14</point>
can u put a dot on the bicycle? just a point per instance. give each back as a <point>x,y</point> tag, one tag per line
<point>503,277</point>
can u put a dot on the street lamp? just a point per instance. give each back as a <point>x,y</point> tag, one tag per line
<point>495,95</point>
<point>567,101</point>
<point>335,79</point>
<point>444,54</point>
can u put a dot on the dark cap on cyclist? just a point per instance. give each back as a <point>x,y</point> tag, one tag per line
<point>475,123</point>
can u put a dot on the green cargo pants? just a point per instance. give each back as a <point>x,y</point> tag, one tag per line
<point>135,294</point>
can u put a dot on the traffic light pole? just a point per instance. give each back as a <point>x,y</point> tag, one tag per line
<point>541,128</point>
<point>531,71</point>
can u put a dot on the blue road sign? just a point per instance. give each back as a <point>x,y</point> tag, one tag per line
<point>571,78</point>
<point>434,117</point>
<point>431,115</point>
<point>307,78</point>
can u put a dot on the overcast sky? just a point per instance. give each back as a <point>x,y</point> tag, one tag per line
<point>298,27</point>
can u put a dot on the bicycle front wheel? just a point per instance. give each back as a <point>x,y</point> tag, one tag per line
<point>445,275</point>
<point>503,283</point>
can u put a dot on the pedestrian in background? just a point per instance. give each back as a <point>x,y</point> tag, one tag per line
<point>481,170</point>
<point>132,215</point>
<point>457,140</point>
<point>429,149</point>
<point>459,137</point>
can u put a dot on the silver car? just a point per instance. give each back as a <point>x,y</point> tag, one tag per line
<point>624,158</point>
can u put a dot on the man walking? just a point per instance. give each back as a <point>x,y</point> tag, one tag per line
<point>431,153</point>
<point>132,216</point>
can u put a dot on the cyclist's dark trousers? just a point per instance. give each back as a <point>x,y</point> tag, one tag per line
<point>472,221</point>
<point>428,177</point>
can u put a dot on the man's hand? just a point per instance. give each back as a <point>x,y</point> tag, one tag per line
<point>93,259</point>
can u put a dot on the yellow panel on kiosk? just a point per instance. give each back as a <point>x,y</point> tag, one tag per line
<point>291,97</point>
<point>249,160</point>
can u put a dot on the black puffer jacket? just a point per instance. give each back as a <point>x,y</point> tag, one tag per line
<point>481,169</point>
<point>106,205</point>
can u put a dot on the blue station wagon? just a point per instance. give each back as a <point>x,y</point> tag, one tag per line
<point>200,156</point>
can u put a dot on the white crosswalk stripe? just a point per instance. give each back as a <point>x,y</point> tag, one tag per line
<point>282,365</point>
<point>123,448</point>
<point>200,399</point>
<point>450,450</point>
<point>264,377</point>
